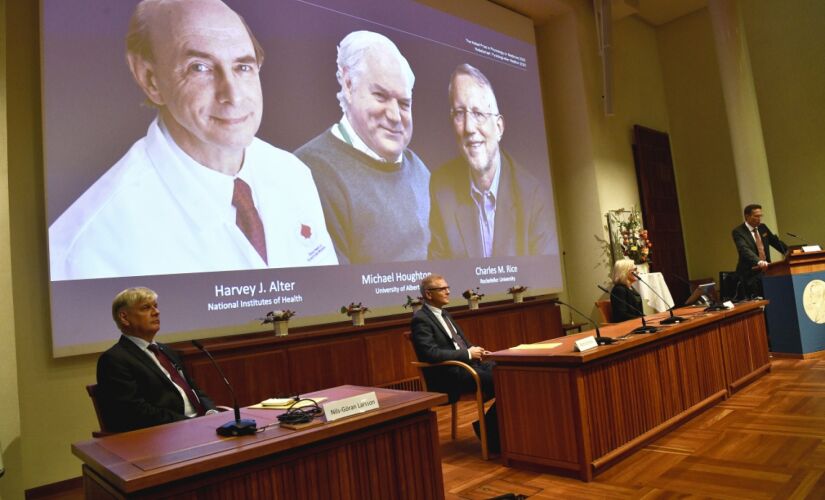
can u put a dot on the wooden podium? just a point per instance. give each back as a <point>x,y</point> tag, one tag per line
<point>795,288</point>
<point>391,452</point>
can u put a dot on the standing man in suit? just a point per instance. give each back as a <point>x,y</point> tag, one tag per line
<point>483,204</point>
<point>142,383</point>
<point>436,338</point>
<point>752,239</point>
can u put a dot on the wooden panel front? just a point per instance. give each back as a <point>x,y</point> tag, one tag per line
<point>538,415</point>
<point>261,365</point>
<point>628,396</point>
<point>251,374</point>
<point>390,358</point>
<point>320,365</point>
<point>745,345</point>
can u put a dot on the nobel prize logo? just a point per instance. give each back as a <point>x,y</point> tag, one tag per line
<point>813,300</point>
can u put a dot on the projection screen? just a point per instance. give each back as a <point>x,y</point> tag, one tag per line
<point>123,210</point>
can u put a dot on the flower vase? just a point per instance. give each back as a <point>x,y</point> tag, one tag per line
<point>357,317</point>
<point>416,307</point>
<point>281,328</point>
<point>518,297</point>
<point>473,303</point>
<point>643,268</point>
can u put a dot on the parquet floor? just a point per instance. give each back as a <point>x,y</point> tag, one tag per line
<point>766,442</point>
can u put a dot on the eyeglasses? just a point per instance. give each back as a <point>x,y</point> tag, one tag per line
<point>459,115</point>
<point>438,289</point>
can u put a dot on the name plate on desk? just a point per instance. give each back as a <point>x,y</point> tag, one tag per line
<point>586,344</point>
<point>811,248</point>
<point>350,406</point>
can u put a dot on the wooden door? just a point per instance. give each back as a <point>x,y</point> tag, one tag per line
<point>660,208</point>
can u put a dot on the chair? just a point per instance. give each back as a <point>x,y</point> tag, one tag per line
<point>729,286</point>
<point>476,396</point>
<point>606,310</point>
<point>91,389</point>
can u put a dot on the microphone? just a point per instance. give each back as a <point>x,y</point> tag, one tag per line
<point>667,321</point>
<point>599,339</point>
<point>237,427</point>
<point>796,237</point>
<point>642,329</point>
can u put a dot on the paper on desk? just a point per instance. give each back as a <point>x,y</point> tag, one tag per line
<point>551,345</point>
<point>286,403</point>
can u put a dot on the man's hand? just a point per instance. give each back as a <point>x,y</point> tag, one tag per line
<point>763,264</point>
<point>477,352</point>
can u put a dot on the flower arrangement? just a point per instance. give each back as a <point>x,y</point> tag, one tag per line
<point>356,312</point>
<point>273,316</point>
<point>628,239</point>
<point>412,302</point>
<point>353,308</point>
<point>472,294</point>
<point>517,289</point>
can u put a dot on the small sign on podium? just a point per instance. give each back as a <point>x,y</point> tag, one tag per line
<point>586,344</point>
<point>347,407</point>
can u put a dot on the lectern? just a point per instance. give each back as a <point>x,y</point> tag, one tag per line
<point>795,288</point>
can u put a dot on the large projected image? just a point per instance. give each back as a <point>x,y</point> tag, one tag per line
<point>257,155</point>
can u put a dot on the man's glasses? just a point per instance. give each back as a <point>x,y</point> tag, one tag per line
<point>438,289</point>
<point>459,115</point>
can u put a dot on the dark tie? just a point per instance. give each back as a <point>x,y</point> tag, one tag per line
<point>247,218</point>
<point>760,247</point>
<point>458,339</point>
<point>176,377</point>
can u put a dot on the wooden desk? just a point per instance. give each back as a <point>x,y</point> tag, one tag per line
<point>392,452</point>
<point>578,413</point>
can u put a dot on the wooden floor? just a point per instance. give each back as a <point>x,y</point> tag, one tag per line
<point>766,442</point>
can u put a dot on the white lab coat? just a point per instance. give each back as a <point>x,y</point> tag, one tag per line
<point>149,215</point>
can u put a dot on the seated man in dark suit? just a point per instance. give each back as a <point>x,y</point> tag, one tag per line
<point>436,338</point>
<point>141,383</point>
<point>752,239</point>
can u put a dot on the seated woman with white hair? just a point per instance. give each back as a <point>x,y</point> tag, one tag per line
<point>624,300</point>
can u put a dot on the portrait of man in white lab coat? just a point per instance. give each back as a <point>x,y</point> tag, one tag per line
<point>198,193</point>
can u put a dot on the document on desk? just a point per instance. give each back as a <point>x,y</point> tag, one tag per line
<point>525,347</point>
<point>287,403</point>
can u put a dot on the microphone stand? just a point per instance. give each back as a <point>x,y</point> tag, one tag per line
<point>667,321</point>
<point>237,427</point>
<point>599,339</point>
<point>642,329</point>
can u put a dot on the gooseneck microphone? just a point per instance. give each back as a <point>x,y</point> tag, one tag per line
<point>599,339</point>
<point>667,321</point>
<point>642,329</point>
<point>237,427</point>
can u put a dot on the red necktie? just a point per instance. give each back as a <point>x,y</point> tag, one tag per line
<point>760,247</point>
<point>176,377</point>
<point>247,218</point>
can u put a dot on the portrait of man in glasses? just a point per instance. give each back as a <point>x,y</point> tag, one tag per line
<point>483,204</point>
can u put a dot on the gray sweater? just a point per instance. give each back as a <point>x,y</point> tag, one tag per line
<point>375,211</point>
